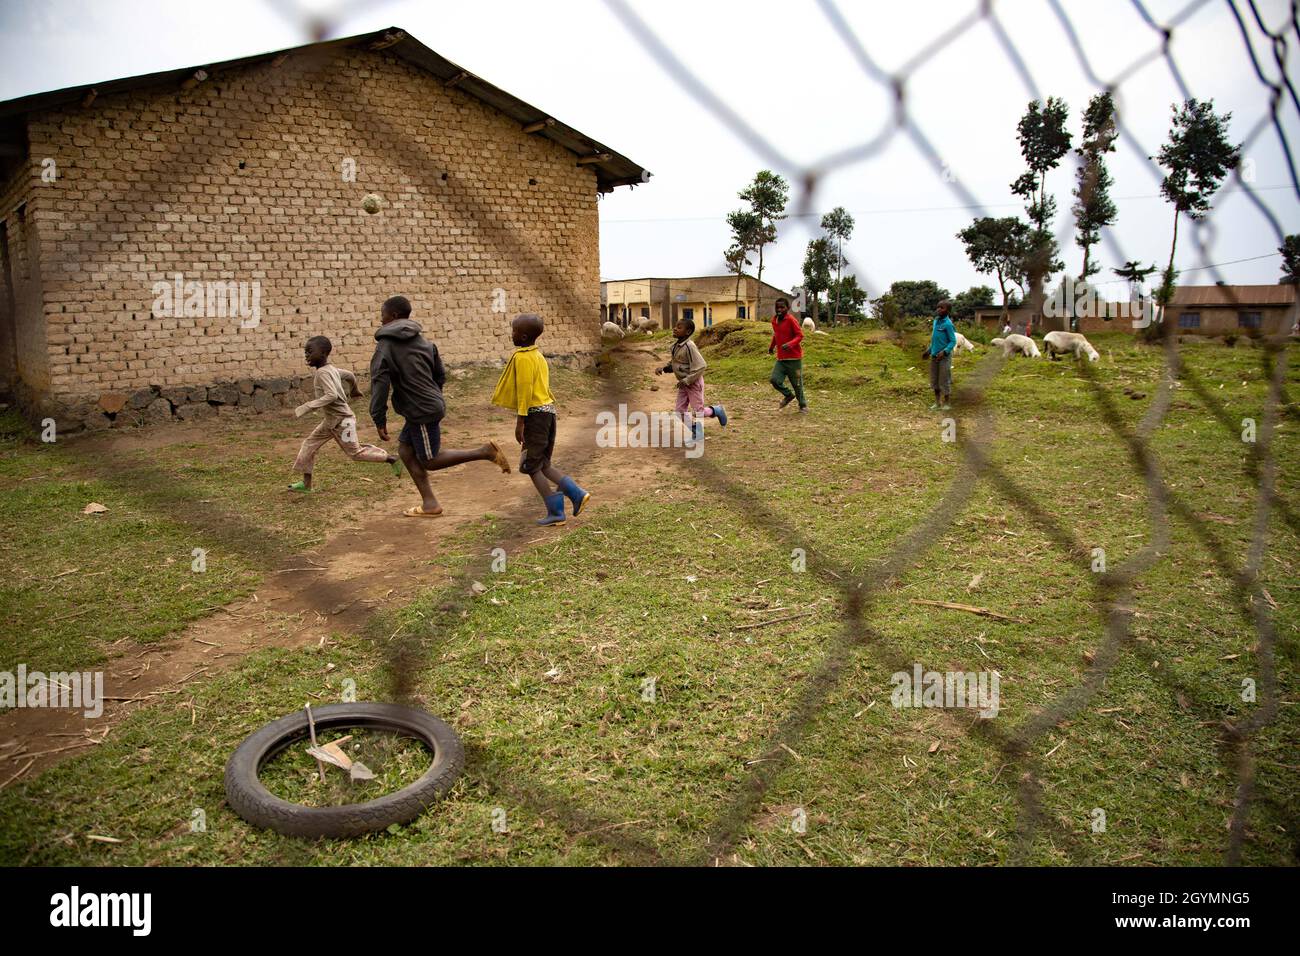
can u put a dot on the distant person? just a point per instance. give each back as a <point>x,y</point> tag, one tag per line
<point>407,365</point>
<point>943,339</point>
<point>332,386</point>
<point>688,365</point>
<point>787,339</point>
<point>525,388</point>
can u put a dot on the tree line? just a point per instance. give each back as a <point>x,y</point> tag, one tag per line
<point>1021,254</point>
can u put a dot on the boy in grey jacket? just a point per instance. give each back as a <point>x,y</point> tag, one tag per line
<point>408,365</point>
<point>688,365</point>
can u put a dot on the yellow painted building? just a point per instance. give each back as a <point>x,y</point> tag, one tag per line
<point>703,299</point>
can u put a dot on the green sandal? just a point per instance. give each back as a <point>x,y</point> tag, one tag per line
<point>299,486</point>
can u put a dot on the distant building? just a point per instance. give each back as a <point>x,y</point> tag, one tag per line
<point>1233,309</point>
<point>704,299</point>
<point>991,318</point>
<point>1195,310</point>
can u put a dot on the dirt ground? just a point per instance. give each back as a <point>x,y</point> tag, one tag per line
<point>361,566</point>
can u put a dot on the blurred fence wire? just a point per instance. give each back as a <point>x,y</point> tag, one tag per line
<point>1113,595</point>
<point>1112,592</point>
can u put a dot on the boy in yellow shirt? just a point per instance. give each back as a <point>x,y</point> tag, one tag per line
<point>525,387</point>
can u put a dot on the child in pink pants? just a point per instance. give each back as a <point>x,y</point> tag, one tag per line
<point>688,365</point>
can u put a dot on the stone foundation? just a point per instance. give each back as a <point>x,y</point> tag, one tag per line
<point>157,404</point>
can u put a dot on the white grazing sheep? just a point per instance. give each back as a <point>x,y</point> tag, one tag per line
<point>1071,343</point>
<point>610,332</point>
<point>1015,344</point>
<point>965,343</point>
<point>809,325</point>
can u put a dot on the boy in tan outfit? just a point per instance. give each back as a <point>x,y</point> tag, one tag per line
<point>688,365</point>
<point>333,386</point>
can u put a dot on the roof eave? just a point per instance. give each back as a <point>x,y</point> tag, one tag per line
<point>612,169</point>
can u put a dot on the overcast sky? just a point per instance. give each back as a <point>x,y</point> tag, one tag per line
<point>783,68</point>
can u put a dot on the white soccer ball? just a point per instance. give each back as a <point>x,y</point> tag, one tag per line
<point>371,203</point>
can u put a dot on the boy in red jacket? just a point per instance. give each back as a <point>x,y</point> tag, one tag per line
<point>787,345</point>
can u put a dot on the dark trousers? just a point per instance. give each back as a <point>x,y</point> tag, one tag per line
<point>791,369</point>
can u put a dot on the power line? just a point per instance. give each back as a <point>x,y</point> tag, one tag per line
<point>875,212</point>
<point>1212,265</point>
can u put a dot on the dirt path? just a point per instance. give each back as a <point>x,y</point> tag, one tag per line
<point>358,569</point>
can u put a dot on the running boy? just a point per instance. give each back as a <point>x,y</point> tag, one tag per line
<point>525,387</point>
<point>787,339</point>
<point>688,365</point>
<point>408,364</point>
<point>333,386</point>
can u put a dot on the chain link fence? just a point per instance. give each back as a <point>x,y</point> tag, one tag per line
<point>1112,592</point>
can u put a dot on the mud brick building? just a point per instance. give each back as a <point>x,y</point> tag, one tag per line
<point>1210,310</point>
<point>168,242</point>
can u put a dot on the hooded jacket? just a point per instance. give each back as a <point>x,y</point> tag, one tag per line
<point>408,364</point>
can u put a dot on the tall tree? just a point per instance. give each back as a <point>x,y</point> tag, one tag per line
<point>917,298</point>
<point>1044,140</point>
<point>817,263</point>
<point>1093,207</point>
<point>767,196</point>
<point>1197,157</point>
<point>1290,250</point>
<point>849,294</point>
<point>890,315</point>
<point>999,246</point>
<point>745,229</point>
<point>839,227</point>
<point>1136,274</point>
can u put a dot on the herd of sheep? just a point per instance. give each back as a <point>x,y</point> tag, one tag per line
<point>1055,343</point>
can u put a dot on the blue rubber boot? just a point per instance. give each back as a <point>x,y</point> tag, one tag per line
<point>554,510</point>
<point>720,414</point>
<point>569,488</point>
<point>697,431</point>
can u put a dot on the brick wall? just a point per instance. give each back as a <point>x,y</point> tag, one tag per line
<point>241,178</point>
<point>1222,320</point>
<point>22,329</point>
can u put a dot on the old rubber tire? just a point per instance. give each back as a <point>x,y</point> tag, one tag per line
<point>252,801</point>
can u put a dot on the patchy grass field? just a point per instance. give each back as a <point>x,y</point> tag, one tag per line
<point>79,586</point>
<point>660,683</point>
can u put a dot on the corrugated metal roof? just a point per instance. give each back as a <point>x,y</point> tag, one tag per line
<point>612,169</point>
<point>1233,295</point>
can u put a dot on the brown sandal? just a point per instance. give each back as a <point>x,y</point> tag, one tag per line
<point>419,512</point>
<point>502,462</point>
